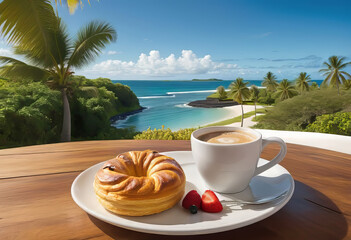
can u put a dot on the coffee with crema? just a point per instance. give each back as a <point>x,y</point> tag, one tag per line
<point>225,137</point>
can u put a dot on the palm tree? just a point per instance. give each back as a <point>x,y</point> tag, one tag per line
<point>270,82</point>
<point>222,94</point>
<point>314,86</point>
<point>39,35</point>
<point>302,82</point>
<point>240,92</point>
<point>333,71</point>
<point>347,84</point>
<point>285,90</point>
<point>254,95</point>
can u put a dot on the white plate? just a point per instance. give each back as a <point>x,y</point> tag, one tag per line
<point>177,220</point>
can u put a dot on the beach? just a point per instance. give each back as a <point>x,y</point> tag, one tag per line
<point>236,111</point>
<point>166,104</point>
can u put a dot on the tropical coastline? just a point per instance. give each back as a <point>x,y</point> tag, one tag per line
<point>169,103</point>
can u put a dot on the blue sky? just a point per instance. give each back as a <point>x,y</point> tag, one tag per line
<point>185,39</point>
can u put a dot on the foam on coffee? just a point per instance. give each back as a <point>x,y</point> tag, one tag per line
<point>225,137</point>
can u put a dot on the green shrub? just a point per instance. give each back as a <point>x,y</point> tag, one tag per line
<point>29,114</point>
<point>125,97</point>
<point>265,97</point>
<point>337,123</point>
<point>298,112</point>
<point>166,134</point>
<point>222,94</point>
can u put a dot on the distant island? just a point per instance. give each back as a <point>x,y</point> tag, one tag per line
<point>207,80</point>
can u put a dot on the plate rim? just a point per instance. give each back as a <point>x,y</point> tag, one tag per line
<point>147,228</point>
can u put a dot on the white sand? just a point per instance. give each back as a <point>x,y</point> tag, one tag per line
<point>235,111</point>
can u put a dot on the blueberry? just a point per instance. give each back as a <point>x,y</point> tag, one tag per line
<point>193,209</point>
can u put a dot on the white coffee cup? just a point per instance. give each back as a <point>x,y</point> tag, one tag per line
<point>228,168</point>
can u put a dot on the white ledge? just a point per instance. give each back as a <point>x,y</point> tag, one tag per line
<point>332,142</point>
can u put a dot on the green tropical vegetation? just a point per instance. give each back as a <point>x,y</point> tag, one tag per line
<point>42,101</point>
<point>285,90</point>
<point>304,106</point>
<point>335,76</point>
<point>298,112</point>
<point>347,85</point>
<point>314,86</point>
<point>41,38</point>
<point>165,134</point>
<point>239,92</point>
<point>31,112</point>
<point>302,82</point>
<point>222,94</point>
<point>254,91</point>
<point>270,82</point>
<point>337,123</point>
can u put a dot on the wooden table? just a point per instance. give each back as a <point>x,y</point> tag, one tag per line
<point>35,199</point>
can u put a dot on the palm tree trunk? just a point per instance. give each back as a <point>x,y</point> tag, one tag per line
<point>337,86</point>
<point>66,125</point>
<point>242,115</point>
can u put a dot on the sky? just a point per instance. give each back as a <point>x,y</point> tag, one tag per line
<point>225,39</point>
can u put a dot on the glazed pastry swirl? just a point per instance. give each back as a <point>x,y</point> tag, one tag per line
<point>139,183</point>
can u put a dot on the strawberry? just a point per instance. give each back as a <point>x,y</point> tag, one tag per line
<point>192,201</point>
<point>210,202</point>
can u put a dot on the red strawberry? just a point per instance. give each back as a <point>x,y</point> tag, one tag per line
<point>210,202</point>
<point>192,199</point>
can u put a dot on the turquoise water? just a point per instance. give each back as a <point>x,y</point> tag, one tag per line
<point>166,104</point>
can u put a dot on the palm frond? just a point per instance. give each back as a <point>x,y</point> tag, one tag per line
<point>345,73</point>
<point>90,41</point>
<point>9,60</point>
<point>239,91</point>
<point>344,65</point>
<point>327,65</point>
<point>27,23</point>
<point>343,79</point>
<point>14,68</point>
<point>327,79</point>
<point>59,49</point>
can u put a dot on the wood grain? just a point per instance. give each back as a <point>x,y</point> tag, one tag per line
<point>35,201</point>
<point>72,157</point>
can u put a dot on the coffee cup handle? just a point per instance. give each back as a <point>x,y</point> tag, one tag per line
<point>277,158</point>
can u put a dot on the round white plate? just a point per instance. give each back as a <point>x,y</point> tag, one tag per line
<point>177,220</point>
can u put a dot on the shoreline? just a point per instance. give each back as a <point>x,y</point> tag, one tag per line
<point>211,103</point>
<point>123,116</point>
<point>235,111</point>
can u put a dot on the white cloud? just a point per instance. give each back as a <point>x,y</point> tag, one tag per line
<point>112,52</point>
<point>153,65</point>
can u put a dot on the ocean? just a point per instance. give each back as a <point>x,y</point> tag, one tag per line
<point>166,104</point>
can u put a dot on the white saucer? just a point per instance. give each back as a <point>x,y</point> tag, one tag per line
<point>177,220</point>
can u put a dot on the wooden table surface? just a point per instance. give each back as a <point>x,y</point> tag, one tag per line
<point>35,199</point>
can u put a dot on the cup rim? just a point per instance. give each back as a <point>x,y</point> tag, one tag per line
<point>227,128</point>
